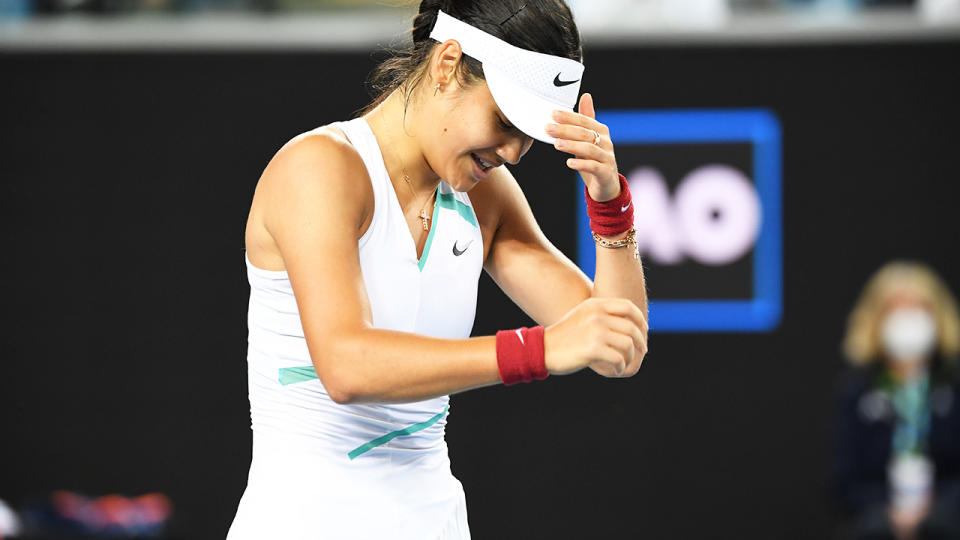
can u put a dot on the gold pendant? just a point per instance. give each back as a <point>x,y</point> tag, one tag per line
<point>424,217</point>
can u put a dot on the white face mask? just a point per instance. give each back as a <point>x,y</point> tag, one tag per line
<point>909,333</point>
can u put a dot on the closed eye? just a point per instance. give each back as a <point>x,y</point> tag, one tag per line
<point>503,125</point>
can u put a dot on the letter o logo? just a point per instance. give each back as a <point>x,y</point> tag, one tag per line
<point>719,212</point>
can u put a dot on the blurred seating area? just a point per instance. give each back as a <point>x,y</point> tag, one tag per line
<point>362,24</point>
<point>691,10</point>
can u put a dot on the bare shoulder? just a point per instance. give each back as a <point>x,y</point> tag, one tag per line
<point>321,163</point>
<point>323,154</point>
<point>314,173</point>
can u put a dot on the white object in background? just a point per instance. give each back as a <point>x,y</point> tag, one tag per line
<point>614,14</point>
<point>9,524</point>
<point>909,334</point>
<point>695,13</point>
<point>713,217</point>
<point>939,11</point>
<point>598,12</point>
<point>911,481</point>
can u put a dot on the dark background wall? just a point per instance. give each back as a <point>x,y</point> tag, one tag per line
<point>126,180</point>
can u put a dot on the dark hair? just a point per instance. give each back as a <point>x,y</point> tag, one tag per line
<point>544,26</point>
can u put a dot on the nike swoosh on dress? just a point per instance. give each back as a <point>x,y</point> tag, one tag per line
<point>459,252</point>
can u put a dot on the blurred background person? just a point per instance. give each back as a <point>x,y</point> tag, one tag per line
<point>897,455</point>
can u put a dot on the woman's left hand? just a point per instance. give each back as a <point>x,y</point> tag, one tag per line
<point>574,133</point>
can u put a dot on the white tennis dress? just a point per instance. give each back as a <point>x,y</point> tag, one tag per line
<point>322,470</point>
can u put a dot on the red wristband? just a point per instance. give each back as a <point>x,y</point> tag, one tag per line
<point>520,355</point>
<point>612,217</point>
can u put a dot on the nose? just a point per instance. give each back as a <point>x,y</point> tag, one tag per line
<point>514,149</point>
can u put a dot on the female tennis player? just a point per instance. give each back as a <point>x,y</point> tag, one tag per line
<point>364,245</point>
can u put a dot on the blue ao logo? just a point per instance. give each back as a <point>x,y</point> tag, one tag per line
<point>706,187</point>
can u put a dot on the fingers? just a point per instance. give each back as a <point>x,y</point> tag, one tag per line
<point>614,359</point>
<point>591,158</point>
<point>623,344</point>
<point>574,134</point>
<point>591,166</point>
<point>586,105</point>
<point>614,330</point>
<point>626,308</point>
<point>604,369</point>
<point>627,339</point>
<point>568,117</point>
<point>583,149</point>
<point>625,326</point>
<point>569,133</point>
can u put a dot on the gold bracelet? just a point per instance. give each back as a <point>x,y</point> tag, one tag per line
<point>630,238</point>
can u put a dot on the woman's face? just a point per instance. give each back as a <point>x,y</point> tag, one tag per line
<point>467,135</point>
<point>908,328</point>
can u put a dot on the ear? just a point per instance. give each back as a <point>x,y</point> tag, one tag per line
<point>443,67</point>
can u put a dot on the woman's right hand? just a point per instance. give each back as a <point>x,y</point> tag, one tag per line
<point>607,334</point>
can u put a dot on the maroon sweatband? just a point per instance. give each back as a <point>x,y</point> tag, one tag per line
<point>520,355</point>
<point>612,217</point>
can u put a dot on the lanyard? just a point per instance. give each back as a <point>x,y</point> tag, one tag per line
<point>911,402</point>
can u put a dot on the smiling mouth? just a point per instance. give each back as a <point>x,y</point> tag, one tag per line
<point>482,163</point>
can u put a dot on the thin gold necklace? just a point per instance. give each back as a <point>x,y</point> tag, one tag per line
<point>406,178</point>
<point>423,212</point>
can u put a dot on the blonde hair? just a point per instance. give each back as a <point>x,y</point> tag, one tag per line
<point>861,345</point>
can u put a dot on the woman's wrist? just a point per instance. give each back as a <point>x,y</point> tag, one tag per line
<point>615,237</point>
<point>605,193</point>
<point>520,355</point>
<point>614,217</point>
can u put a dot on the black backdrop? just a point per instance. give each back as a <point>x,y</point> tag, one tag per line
<point>126,182</point>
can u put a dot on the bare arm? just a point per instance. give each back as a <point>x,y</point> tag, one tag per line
<point>313,214</point>
<point>558,285</point>
<point>618,274</point>
<point>519,245</point>
<point>314,211</point>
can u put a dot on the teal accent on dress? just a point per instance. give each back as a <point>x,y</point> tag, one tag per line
<point>293,375</point>
<point>394,434</point>
<point>447,200</point>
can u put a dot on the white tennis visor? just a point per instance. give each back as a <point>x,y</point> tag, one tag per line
<point>527,86</point>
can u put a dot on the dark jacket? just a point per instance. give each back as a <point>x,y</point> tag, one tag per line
<point>864,430</point>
